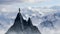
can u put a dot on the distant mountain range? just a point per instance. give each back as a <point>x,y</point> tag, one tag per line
<point>55,7</point>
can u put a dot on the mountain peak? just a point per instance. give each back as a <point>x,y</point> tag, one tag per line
<point>19,10</point>
<point>22,26</point>
<point>29,22</point>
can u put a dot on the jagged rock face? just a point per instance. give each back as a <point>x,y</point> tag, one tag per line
<point>22,26</point>
<point>32,29</point>
<point>17,26</point>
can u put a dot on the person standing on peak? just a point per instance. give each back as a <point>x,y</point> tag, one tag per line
<point>19,10</point>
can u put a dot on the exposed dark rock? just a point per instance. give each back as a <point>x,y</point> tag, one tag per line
<point>22,26</point>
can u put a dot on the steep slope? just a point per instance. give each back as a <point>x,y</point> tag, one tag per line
<point>17,26</point>
<point>32,29</point>
<point>22,26</point>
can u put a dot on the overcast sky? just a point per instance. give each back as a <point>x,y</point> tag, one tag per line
<point>8,5</point>
<point>13,5</point>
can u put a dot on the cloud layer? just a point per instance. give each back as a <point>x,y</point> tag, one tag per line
<point>36,14</point>
<point>21,1</point>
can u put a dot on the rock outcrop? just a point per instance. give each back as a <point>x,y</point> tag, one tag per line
<point>22,26</point>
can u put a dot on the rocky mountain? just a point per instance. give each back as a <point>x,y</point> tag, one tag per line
<point>22,26</point>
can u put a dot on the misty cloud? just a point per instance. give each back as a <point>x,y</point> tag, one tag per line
<point>21,1</point>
